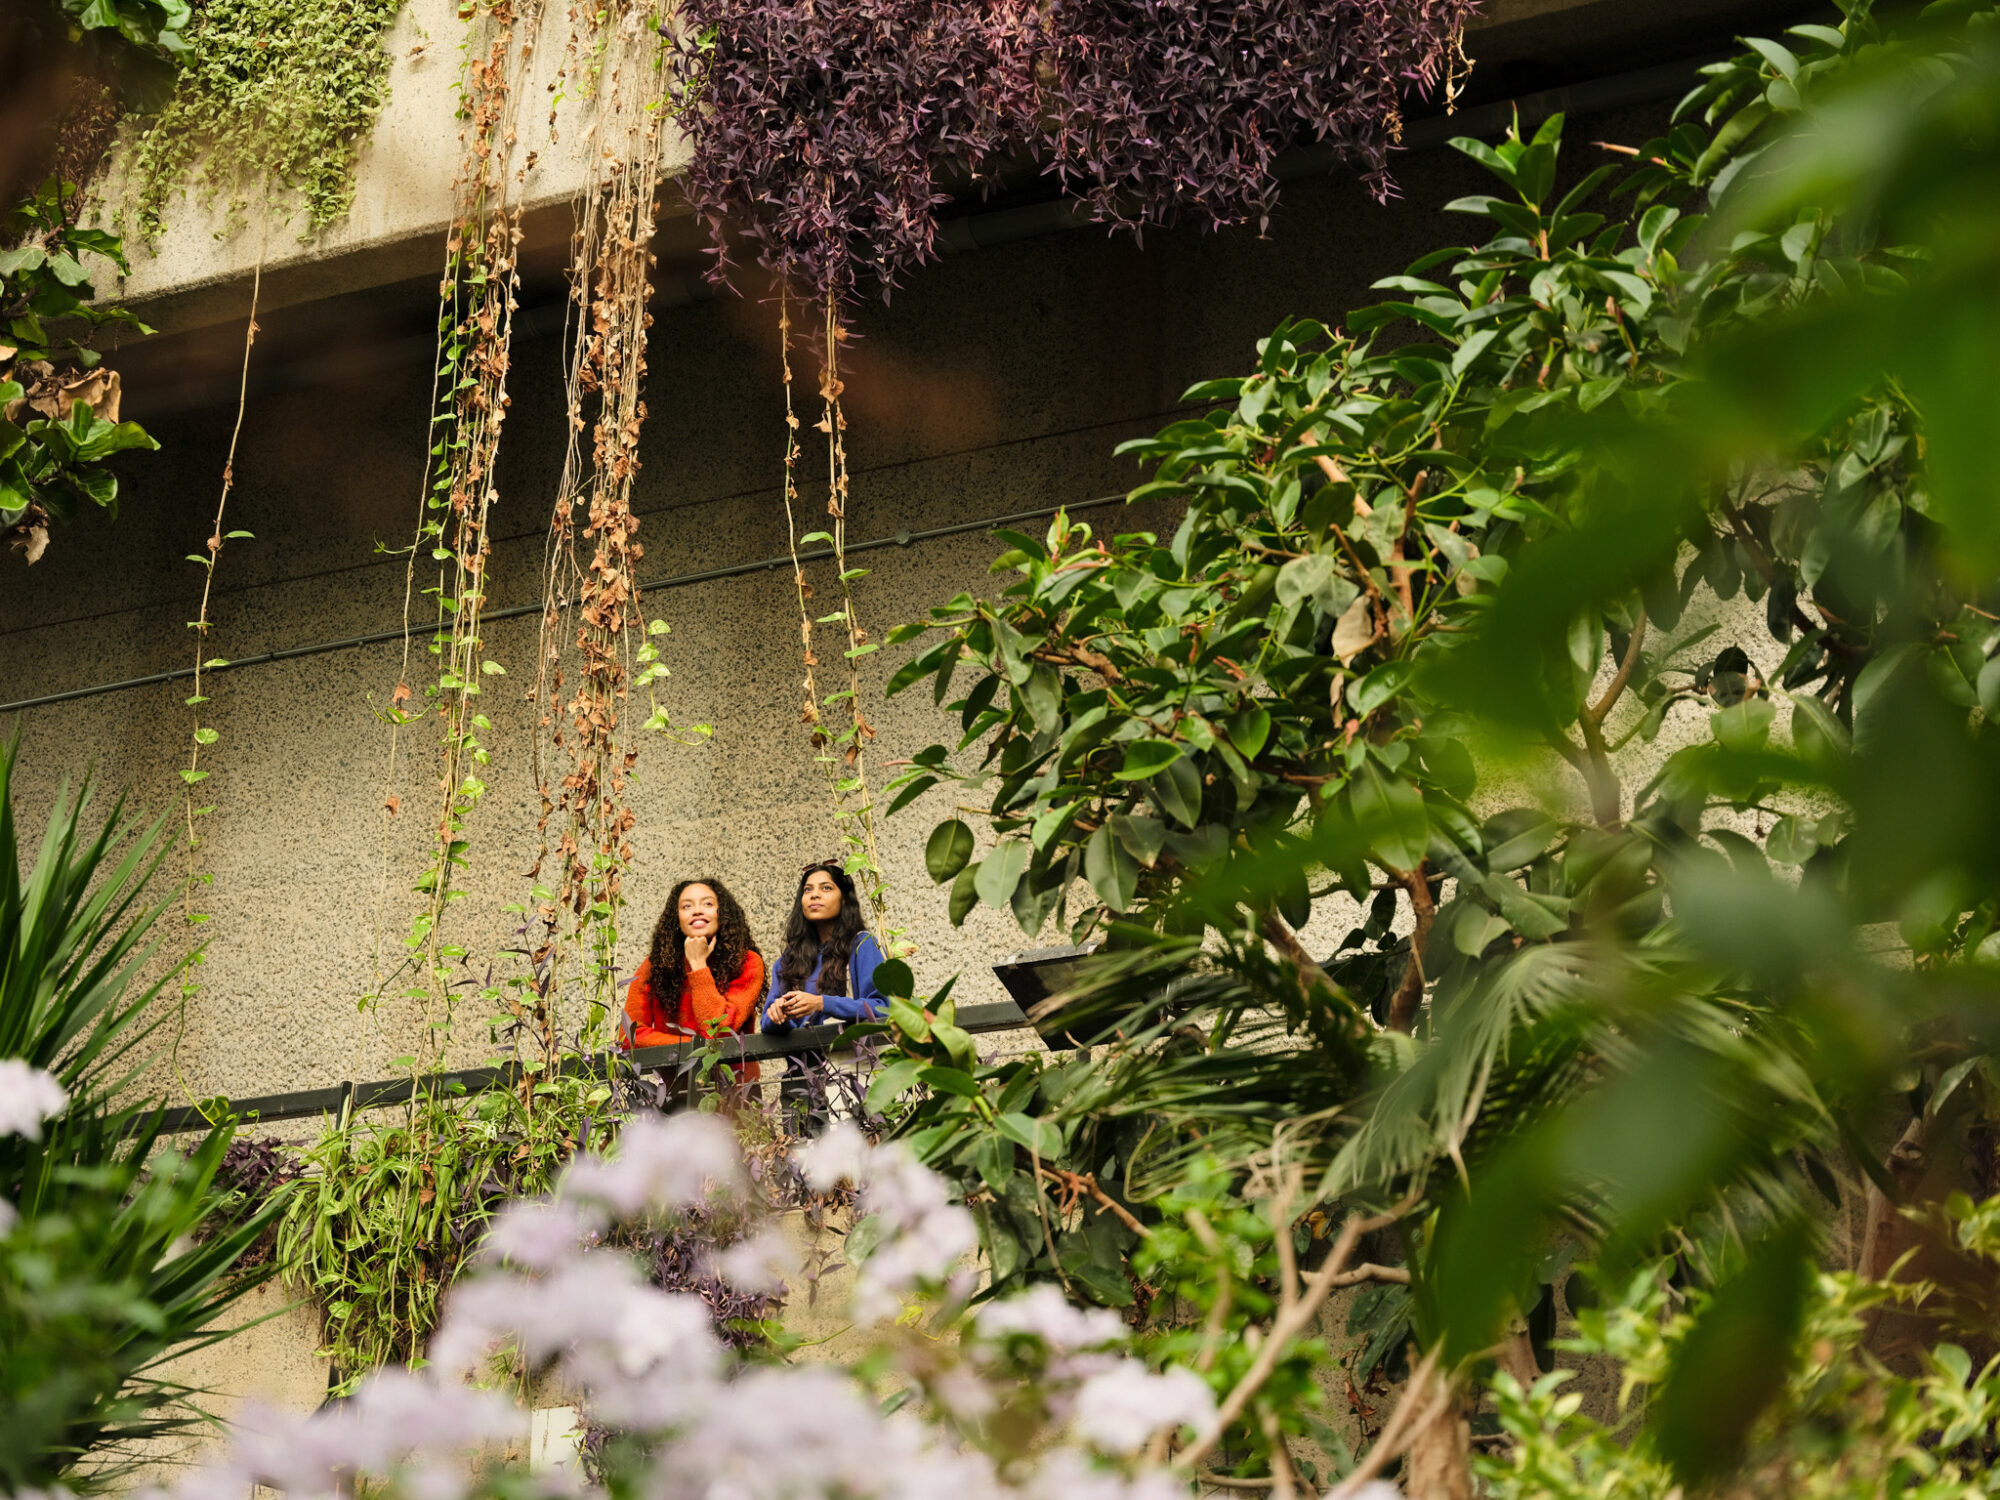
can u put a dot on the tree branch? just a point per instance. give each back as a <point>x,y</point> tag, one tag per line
<point>1084,1185</point>
<point>1083,657</point>
<point>1280,936</point>
<point>1625,669</point>
<point>1369,1271</point>
<point>1289,1322</point>
<point>1409,994</point>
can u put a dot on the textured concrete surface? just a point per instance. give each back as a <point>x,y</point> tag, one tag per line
<point>403,185</point>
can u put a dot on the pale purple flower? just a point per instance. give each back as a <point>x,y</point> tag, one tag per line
<point>805,1433</point>
<point>1118,1410</point>
<point>28,1096</point>
<point>1067,1475</point>
<point>963,1392</point>
<point>1045,1313</point>
<point>593,1309</point>
<point>758,1264</point>
<point>479,1315</point>
<point>394,1416</point>
<point>538,1235</point>
<point>661,1164</point>
<point>842,1153</point>
<point>923,1233</point>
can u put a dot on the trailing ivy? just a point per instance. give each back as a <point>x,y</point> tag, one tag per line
<point>272,94</point>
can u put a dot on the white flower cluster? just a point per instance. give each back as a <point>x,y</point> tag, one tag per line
<point>28,1096</point>
<point>923,1234</point>
<point>696,1424</point>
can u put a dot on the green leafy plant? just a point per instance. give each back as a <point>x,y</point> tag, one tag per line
<point>1840,1423</point>
<point>1629,1023</point>
<point>271,99</point>
<point>98,1283</point>
<point>58,408</point>
<point>390,1210</point>
<point>135,45</point>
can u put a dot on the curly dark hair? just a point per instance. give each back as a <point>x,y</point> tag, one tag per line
<point>733,944</point>
<point>802,945</point>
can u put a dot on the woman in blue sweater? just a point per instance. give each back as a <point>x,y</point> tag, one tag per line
<point>827,969</point>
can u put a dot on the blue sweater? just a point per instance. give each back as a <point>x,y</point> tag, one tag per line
<point>863,1002</point>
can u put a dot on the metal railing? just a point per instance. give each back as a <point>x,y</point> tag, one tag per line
<point>342,1100</point>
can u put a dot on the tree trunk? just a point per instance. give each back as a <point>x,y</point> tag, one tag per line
<point>1516,1354</point>
<point>1403,1005</point>
<point>1439,1464</point>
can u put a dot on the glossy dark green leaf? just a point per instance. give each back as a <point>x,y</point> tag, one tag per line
<point>948,849</point>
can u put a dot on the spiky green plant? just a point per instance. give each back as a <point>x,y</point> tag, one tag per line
<point>108,1273</point>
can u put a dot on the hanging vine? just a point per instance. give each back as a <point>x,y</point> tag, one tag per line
<point>841,753</point>
<point>475,329</point>
<point>854,805</point>
<point>585,771</point>
<point>810,711</point>
<point>198,879</point>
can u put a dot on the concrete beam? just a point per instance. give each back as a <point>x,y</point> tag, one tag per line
<point>199,272</point>
<point>198,275</point>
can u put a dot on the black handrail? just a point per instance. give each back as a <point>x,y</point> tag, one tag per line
<point>340,1099</point>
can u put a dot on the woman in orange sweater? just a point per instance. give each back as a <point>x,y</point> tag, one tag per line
<point>704,975</point>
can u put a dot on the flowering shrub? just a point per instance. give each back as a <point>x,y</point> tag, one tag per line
<point>1034,1398</point>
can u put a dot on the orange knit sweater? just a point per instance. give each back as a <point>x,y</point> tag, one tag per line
<point>705,1009</point>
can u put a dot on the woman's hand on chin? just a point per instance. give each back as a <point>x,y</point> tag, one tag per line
<point>697,949</point>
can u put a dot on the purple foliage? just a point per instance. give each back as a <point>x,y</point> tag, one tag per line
<point>679,1255</point>
<point>821,130</point>
<point>1171,109</point>
<point>252,1171</point>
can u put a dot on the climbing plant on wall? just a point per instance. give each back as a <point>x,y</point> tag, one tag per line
<point>271,94</point>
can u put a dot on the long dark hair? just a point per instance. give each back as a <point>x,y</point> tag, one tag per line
<point>803,948</point>
<point>733,945</point>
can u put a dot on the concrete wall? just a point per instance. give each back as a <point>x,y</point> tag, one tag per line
<point>403,184</point>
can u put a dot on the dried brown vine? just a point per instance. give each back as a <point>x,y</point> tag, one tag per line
<point>593,606</point>
<point>475,329</point>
